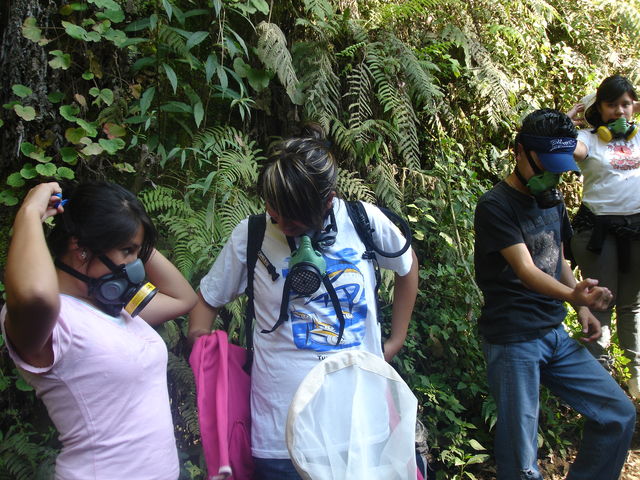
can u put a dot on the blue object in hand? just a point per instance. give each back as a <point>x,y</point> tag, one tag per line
<point>62,202</point>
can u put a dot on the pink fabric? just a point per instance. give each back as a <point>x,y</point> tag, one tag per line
<point>106,393</point>
<point>222,391</point>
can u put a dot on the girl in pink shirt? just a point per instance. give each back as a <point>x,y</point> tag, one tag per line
<point>74,332</point>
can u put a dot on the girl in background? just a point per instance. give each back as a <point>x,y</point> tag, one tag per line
<point>606,241</point>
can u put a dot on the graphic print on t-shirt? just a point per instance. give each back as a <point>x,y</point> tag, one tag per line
<point>314,322</point>
<point>623,157</point>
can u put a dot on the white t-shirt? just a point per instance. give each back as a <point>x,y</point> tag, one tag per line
<point>106,393</point>
<point>611,175</point>
<point>283,358</point>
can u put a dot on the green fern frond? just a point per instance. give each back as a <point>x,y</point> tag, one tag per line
<point>386,187</point>
<point>359,95</point>
<point>352,187</point>
<point>321,9</point>
<point>274,54</point>
<point>321,87</point>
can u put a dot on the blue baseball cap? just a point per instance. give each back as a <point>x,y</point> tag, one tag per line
<point>555,153</point>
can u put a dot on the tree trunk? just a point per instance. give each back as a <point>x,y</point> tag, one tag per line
<point>24,62</point>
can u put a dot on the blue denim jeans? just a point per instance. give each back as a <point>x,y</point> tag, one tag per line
<point>515,372</point>
<point>275,469</point>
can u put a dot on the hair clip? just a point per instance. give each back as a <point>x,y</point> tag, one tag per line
<point>62,201</point>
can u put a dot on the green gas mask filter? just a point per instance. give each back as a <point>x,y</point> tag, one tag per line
<point>619,128</point>
<point>543,185</point>
<point>307,267</point>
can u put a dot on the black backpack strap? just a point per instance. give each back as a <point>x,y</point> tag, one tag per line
<point>360,221</point>
<point>257,227</point>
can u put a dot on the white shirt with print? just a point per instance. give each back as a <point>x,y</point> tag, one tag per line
<point>611,175</point>
<point>283,358</point>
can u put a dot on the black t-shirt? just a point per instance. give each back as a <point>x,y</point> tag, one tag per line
<point>506,217</point>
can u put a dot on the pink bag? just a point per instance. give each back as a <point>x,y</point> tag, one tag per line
<point>224,413</point>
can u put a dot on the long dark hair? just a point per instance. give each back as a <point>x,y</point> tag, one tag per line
<point>101,216</point>
<point>610,89</point>
<point>299,177</point>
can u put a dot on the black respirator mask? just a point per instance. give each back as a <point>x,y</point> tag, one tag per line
<point>123,288</point>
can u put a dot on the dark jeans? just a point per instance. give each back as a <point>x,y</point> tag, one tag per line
<point>275,469</point>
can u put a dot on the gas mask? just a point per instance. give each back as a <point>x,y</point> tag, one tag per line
<point>543,187</point>
<point>556,156</point>
<point>123,288</point>
<point>619,128</point>
<point>306,268</point>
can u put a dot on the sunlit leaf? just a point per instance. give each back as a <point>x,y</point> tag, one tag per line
<point>60,60</point>
<point>25,113</point>
<point>46,169</point>
<point>30,30</point>
<point>65,172</point>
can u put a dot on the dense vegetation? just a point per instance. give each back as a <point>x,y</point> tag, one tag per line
<point>179,100</point>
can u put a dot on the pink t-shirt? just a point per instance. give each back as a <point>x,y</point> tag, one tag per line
<point>106,393</point>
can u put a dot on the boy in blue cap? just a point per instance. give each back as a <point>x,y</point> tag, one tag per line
<point>521,225</point>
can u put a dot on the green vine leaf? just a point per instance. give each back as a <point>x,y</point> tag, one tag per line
<point>60,60</point>
<point>46,169</point>
<point>25,113</point>
<point>114,130</point>
<point>88,127</point>
<point>28,148</point>
<point>106,4</point>
<point>68,9</point>
<point>69,112</point>
<point>105,95</point>
<point>65,172</point>
<point>125,167</point>
<point>92,149</point>
<point>8,198</point>
<point>74,135</point>
<point>55,97</point>
<point>111,146</point>
<point>28,171</point>
<point>69,155</point>
<point>21,90</point>
<point>113,15</point>
<point>15,180</point>
<point>118,37</point>
<point>88,76</point>
<point>31,31</point>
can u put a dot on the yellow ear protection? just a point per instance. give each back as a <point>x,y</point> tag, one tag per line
<point>619,128</point>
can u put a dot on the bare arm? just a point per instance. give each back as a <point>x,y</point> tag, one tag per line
<point>404,298</point>
<point>175,296</point>
<point>584,293</point>
<point>31,281</point>
<point>201,319</point>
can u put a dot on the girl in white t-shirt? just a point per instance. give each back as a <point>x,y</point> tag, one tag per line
<point>606,242</point>
<point>298,184</point>
<point>72,328</point>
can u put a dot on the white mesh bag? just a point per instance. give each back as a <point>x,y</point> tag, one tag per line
<point>353,418</point>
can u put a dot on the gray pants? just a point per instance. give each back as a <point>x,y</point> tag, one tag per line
<point>626,295</point>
